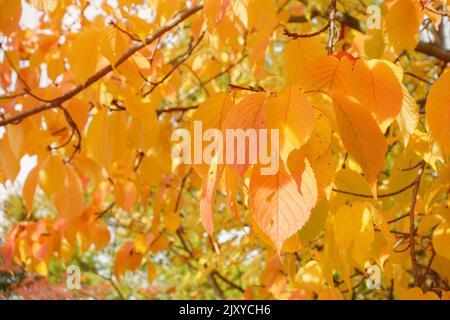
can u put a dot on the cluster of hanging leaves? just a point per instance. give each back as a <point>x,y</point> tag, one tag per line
<point>94,90</point>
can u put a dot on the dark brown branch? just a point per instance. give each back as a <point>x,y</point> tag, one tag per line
<point>217,289</point>
<point>248,88</point>
<point>105,70</point>
<point>132,37</point>
<point>228,282</point>
<point>361,195</point>
<point>75,132</point>
<point>294,35</point>
<point>175,109</point>
<point>413,167</point>
<point>180,193</point>
<point>108,208</point>
<point>12,96</point>
<point>139,157</point>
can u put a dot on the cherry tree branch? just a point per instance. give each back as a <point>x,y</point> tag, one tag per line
<point>294,35</point>
<point>104,71</point>
<point>176,65</point>
<point>430,49</point>
<point>361,195</point>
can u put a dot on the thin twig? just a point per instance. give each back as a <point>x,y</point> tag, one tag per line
<point>176,65</point>
<point>294,35</point>
<point>427,270</point>
<point>132,37</point>
<point>246,88</point>
<point>229,282</point>
<point>361,195</point>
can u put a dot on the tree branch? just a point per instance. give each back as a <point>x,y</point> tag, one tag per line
<point>176,65</point>
<point>105,70</point>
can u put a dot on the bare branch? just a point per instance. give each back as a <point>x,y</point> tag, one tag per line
<point>294,35</point>
<point>361,195</point>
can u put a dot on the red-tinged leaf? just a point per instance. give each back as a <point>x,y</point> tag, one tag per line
<point>248,114</point>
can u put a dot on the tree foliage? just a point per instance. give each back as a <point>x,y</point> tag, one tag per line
<point>358,90</point>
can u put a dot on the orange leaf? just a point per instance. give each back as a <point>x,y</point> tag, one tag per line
<point>279,205</point>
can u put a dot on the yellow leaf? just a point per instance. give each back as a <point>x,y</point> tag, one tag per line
<point>361,136</point>
<point>172,221</point>
<point>408,118</point>
<point>69,197</point>
<point>247,114</point>
<point>126,194</point>
<point>327,73</point>
<point>106,138</point>
<point>292,114</point>
<point>298,54</point>
<point>402,24</point>
<point>52,175</point>
<point>438,112</point>
<point>441,239</point>
<point>316,222</point>
<point>151,271</point>
<point>211,113</point>
<point>83,54</point>
<point>374,44</point>
<point>8,162</point>
<point>142,243</point>
<point>353,229</point>
<point>378,89</point>
<point>10,12</point>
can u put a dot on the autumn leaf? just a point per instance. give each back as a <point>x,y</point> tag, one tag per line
<point>291,113</point>
<point>408,15</point>
<point>378,89</point>
<point>279,205</point>
<point>361,136</point>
